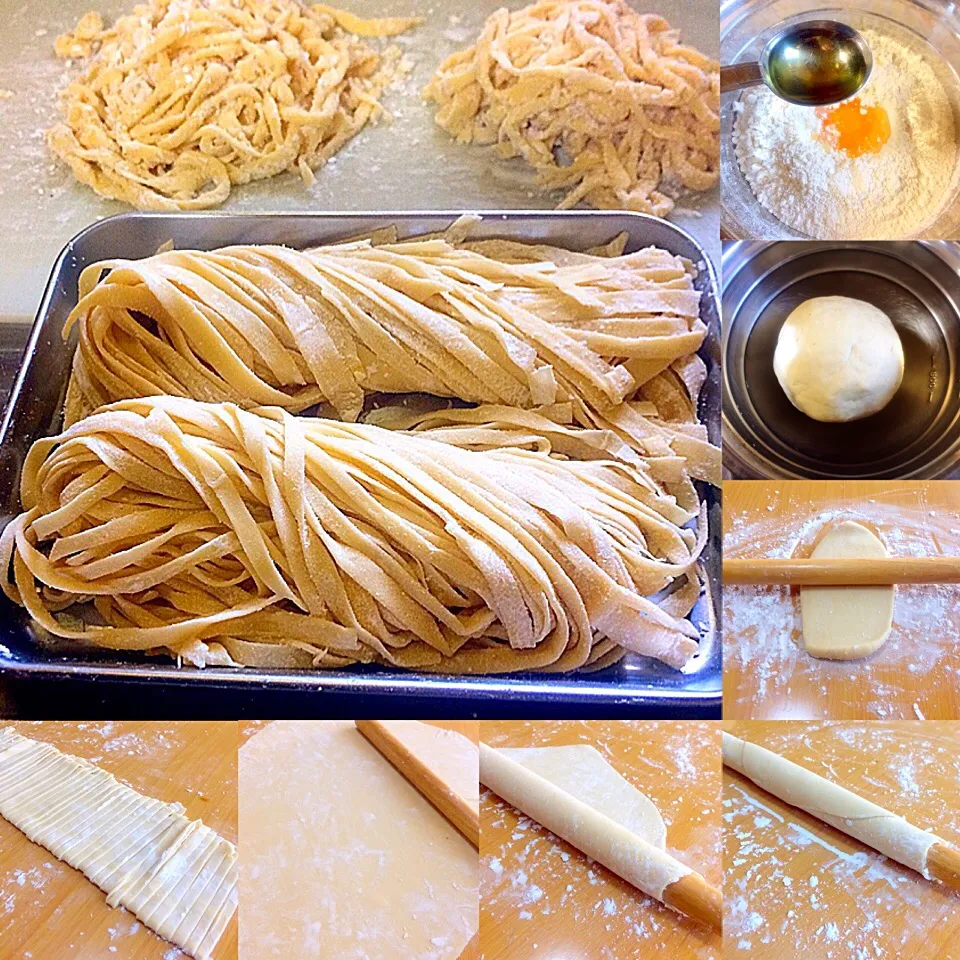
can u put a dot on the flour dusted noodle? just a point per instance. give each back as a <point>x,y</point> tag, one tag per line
<point>185,98</point>
<point>605,103</point>
<point>488,322</point>
<point>232,536</point>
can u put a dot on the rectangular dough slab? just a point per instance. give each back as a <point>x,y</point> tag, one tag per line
<point>143,853</point>
<point>845,622</point>
<point>343,859</point>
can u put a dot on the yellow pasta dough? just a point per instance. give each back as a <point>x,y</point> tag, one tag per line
<point>185,98</point>
<point>232,536</point>
<point>604,102</point>
<point>612,336</point>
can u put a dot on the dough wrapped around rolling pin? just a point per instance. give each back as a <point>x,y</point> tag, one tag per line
<point>886,832</point>
<point>638,861</point>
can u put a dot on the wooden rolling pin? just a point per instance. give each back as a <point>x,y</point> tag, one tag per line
<point>694,897</point>
<point>844,810</point>
<point>602,839</point>
<point>860,572</point>
<point>456,808</point>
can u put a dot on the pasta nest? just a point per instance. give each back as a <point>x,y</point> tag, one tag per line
<point>612,335</point>
<point>232,536</point>
<point>183,99</point>
<point>605,103</point>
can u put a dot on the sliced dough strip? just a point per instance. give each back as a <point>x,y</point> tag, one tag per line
<point>143,853</point>
<point>602,101</point>
<point>181,101</point>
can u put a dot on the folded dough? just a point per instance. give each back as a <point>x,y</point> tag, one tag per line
<point>873,825</point>
<point>581,771</point>
<point>576,794</point>
<point>844,622</point>
<point>177,876</point>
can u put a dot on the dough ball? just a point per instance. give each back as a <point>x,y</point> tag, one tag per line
<point>838,359</point>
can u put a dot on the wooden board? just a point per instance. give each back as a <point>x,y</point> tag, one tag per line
<point>540,897</point>
<point>768,674</point>
<point>469,728</point>
<point>796,887</point>
<point>50,911</point>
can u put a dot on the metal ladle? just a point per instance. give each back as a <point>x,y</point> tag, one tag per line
<point>812,64</point>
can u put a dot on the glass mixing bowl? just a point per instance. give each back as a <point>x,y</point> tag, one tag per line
<point>931,26</point>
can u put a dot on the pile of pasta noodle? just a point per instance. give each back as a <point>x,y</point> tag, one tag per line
<point>604,102</point>
<point>229,536</point>
<point>611,337</point>
<point>184,99</point>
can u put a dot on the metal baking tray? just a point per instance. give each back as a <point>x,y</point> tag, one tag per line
<point>35,411</point>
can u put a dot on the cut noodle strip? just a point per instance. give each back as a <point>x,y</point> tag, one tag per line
<point>489,322</point>
<point>184,99</point>
<point>605,103</point>
<point>229,536</point>
<point>175,875</point>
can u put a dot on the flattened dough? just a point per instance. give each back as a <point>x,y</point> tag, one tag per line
<point>841,808</point>
<point>846,623</point>
<point>342,859</point>
<point>593,808</point>
<point>177,876</point>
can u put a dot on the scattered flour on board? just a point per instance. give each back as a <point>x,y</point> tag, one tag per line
<point>532,876</point>
<point>762,632</point>
<point>23,888</point>
<point>871,907</point>
<point>824,192</point>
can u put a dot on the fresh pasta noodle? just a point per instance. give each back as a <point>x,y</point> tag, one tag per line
<point>613,335</point>
<point>605,103</point>
<point>232,536</point>
<point>184,99</point>
<point>551,430</point>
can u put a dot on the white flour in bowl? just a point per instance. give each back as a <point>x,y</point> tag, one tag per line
<point>823,191</point>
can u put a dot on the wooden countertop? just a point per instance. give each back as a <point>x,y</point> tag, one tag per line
<point>796,887</point>
<point>49,910</point>
<point>540,897</point>
<point>768,674</point>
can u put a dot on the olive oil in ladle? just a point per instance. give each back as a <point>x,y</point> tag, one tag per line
<point>812,64</point>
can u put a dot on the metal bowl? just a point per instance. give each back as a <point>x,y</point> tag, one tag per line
<point>916,435</point>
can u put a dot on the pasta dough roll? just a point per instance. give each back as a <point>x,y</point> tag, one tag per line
<point>491,322</point>
<point>227,536</point>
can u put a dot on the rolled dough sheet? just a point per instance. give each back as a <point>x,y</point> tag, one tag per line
<point>177,876</point>
<point>841,808</point>
<point>342,859</point>
<point>576,794</point>
<point>454,758</point>
<point>846,623</point>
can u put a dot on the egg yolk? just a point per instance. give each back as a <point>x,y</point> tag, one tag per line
<point>854,128</point>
